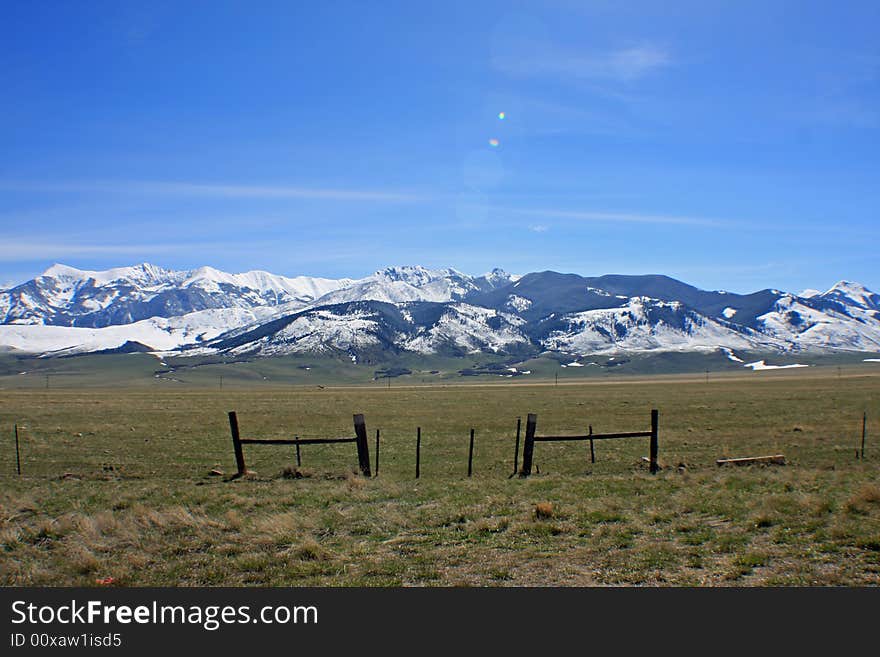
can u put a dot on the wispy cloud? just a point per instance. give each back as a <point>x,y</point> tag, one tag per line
<point>24,250</point>
<point>261,252</point>
<point>169,188</point>
<point>270,192</point>
<point>623,64</point>
<point>538,228</point>
<point>618,217</point>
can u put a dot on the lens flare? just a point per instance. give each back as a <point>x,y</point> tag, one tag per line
<point>494,143</point>
<point>501,115</point>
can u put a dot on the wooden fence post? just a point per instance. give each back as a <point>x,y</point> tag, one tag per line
<point>529,446</point>
<point>655,421</point>
<point>236,444</point>
<point>298,457</point>
<point>516,451</point>
<point>18,453</point>
<point>376,474</point>
<point>471,455</point>
<point>592,452</point>
<point>418,449</point>
<point>360,431</point>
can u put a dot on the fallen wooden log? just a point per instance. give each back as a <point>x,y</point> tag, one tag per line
<point>775,459</point>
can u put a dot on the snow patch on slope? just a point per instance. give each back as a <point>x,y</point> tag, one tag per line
<point>731,356</point>
<point>761,365</point>
<point>643,324</point>
<point>805,327</point>
<point>321,331</point>
<point>518,303</point>
<point>159,333</point>
<point>471,329</point>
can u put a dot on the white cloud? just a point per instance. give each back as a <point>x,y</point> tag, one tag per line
<point>23,250</point>
<point>538,228</point>
<point>264,191</point>
<point>211,190</point>
<point>619,217</point>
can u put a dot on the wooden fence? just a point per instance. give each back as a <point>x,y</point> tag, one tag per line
<point>531,439</point>
<point>360,439</point>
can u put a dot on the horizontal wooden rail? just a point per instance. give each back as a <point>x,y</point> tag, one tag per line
<point>531,439</point>
<point>597,436</point>
<point>296,441</point>
<point>360,439</point>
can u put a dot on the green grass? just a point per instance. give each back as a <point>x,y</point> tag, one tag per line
<point>217,372</point>
<point>117,483</point>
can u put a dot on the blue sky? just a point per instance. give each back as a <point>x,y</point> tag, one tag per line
<point>733,145</point>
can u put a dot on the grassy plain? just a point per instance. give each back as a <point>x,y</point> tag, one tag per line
<point>116,483</point>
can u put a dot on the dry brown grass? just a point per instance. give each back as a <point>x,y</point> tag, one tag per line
<point>867,497</point>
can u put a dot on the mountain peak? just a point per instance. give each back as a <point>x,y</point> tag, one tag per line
<point>850,292</point>
<point>209,273</point>
<point>848,286</point>
<point>495,279</point>
<point>498,275</point>
<point>415,275</point>
<point>142,273</point>
<point>59,270</point>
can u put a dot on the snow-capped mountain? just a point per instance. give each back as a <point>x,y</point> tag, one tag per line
<point>64,296</point>
<point>153,334</point>
<point>420,310</point>
<point>645,324</point>
<point>852,294</point>
<point>361,328</point>
<point>495,279</point>
<point>405,284</point>
<point>845,317</point>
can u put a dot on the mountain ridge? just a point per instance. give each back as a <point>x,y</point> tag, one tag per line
<point>416,309</point>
